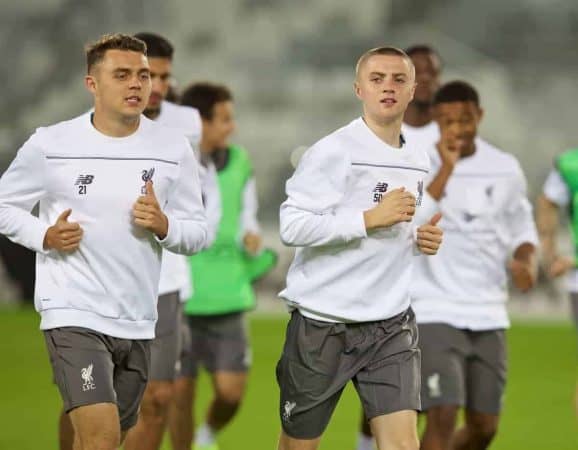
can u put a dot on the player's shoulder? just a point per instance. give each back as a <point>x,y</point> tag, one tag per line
<point>567,155</point>
<point>162,136</point>
<point>180,112</point>
<point>494,158</point>
<point>336,144</point>
<point>240,152</point>
<point>180,116</point>
<point>48,135</point>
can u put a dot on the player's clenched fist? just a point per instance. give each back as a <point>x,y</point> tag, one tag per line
<point>524,274</point>
<point>148,214</point>
<point>396,206</point>
<point>63,236</point>
<point>430,236</point>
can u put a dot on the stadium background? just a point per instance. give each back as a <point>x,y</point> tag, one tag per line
<point>290,66</point>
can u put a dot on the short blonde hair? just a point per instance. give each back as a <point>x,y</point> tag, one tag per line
<point>388,50</point>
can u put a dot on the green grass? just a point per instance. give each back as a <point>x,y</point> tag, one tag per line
<point>538,412</point>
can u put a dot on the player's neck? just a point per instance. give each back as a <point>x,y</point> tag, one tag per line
<point>418,115</point>
<point>206,147</point>
<point>152,114</point>
<point>387,131</point>
<point>469,151</point>
<point>114,126</point>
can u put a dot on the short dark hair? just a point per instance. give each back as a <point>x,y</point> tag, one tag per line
<point>422,49</point>
<point>456,91</point>
<point>386,50</point>
<point>157,46</point>
<point>203,96</point>
<point>96,50</point>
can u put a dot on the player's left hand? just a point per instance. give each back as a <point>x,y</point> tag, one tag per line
<point>560,266</point>
<point>147,213</point>
<point>524,274</point>
<point>252,242</point>
<point>430,236</point>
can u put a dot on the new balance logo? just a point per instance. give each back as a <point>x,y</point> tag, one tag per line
<point>82,181</point>
<point>87,378</point>
<point>378,191</point>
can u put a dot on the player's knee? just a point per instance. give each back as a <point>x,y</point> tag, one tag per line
<point>104,442</point>
<point>163,395</point>
<point>483,429</point>
<point>183,392</point>
<point>406,443</point>
<point>442,419</point>
<point>230,396</point>
<point>157,399</point>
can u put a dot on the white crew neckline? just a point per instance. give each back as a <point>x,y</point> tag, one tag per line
<point>374,140</point>
<point>113,139</point>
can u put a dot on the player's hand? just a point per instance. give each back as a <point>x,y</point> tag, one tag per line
<point>147,213</point>
<point>63,236</point>
<point>430,236</point>
<point>396,206</point>
<point>252,242</point>
<point>449,153</point>
<point>560,265</point>
<point>524,274</point>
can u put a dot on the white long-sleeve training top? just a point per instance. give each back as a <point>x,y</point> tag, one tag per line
<point>110,283</point>
<point>175,272</point>
<point>341,272</point>
<point>486,216</point>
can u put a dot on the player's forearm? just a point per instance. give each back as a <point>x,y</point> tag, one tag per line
<point>250,206</point>
<point>547,222</point>
<point>22,227</point>
<point>438,185</point>
<point>186,236</point>
<point>299,228</point>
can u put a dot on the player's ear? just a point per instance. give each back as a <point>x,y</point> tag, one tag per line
<point>90,83</point>
<point>413,90</point>
<point>480,114</point>
<point>357,90</point>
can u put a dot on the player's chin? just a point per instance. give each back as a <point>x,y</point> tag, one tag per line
<point>390,113</point>
<point>132,111</point>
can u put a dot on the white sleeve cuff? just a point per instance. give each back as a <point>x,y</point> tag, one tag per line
<point>429,207</point>
<point>37,242</point>
<point>171,239</point>
<point>355,225</point>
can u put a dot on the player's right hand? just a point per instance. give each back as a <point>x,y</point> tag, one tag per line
<point>449,153</point>
<point>396,206</point>
<point>252,243</point>
<point>560,265</point>
<point>63,236</point>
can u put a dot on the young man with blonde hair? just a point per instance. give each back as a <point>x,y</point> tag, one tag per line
<point>349,211</point>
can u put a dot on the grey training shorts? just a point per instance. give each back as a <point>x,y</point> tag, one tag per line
<point>90,367</point>
<point>462,367</point>
<point>218,343</point>
<point>319,358</point>
<point>165,347</point>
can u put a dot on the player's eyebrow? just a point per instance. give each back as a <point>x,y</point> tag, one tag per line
<point>382,75</point>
